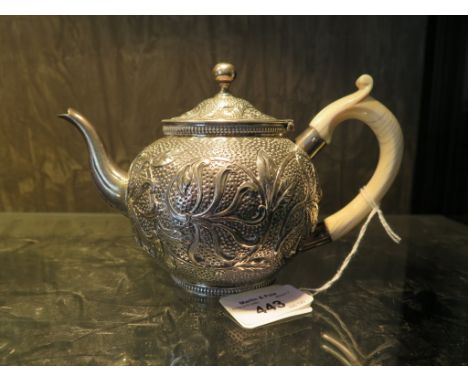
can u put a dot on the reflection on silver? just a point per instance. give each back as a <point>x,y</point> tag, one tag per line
<point>318,237</point>
<point>311,142</point>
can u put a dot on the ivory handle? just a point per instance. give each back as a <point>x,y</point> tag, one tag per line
<point>386,128</point>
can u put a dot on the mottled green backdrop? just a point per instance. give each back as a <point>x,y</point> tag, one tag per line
<point>127,73</point>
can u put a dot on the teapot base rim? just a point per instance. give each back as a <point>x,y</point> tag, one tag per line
<point>205,290</point>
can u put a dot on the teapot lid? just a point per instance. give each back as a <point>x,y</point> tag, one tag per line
<point>224,113</point>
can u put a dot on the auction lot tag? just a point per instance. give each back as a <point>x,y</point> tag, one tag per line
<point>263,306</point>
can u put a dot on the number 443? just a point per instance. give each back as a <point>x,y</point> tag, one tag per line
<point>274,304</point>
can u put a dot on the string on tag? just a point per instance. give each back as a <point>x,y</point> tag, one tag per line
<point>375,210</point>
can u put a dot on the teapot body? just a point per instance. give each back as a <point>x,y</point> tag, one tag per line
<point>222,214</point>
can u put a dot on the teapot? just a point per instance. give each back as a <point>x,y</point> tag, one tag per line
<point>225,198</point>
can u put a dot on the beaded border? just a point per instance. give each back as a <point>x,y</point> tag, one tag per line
<point>225,130</point>
<point>213,291</point>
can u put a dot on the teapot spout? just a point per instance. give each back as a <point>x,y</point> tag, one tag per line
<point>110,180</point>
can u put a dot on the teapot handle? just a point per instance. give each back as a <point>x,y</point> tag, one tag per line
<point>385,126</point>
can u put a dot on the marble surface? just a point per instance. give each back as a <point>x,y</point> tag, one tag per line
<point>76,290</point>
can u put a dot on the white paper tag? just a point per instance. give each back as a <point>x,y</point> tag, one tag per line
<point>263,306</point>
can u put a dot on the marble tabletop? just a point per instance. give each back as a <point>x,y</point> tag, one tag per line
<point>75,289</point>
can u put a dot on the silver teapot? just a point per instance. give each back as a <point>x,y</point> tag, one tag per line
<point>225,197</point>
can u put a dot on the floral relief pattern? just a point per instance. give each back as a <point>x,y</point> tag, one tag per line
<point>219,213</point>
<point>223,106</point>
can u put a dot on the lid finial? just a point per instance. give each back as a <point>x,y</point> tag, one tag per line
<point>224,113</point>
<point>224,74</point>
